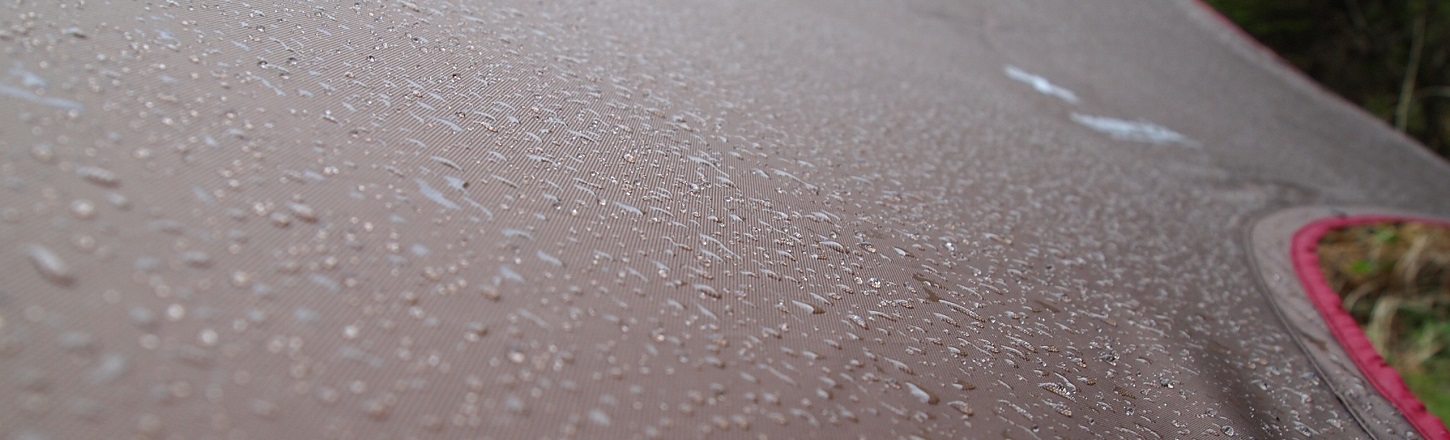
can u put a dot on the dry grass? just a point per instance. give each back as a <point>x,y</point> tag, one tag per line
<point>1395,281</point>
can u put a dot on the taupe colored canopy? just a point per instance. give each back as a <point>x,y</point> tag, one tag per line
<point>454,219</point>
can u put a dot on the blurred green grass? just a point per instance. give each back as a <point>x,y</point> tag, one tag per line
<point>1394,279</point>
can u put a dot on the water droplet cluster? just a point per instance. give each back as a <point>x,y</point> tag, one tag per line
<point>420,219</point>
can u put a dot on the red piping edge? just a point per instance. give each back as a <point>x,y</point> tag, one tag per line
<point>1305,256</point>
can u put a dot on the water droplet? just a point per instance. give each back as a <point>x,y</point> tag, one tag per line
<point>50,266</point>
<point>834,246</point>
<point>599,417</point>
<point>240,278</point>
<point>631,209</point>
<point>142,317</point>
<point>707,290</point>
<point>208,337</point>
<point>97,175</point>
<point>920,394</point>
<point>119,201</point>
<point>808,307</point>
<point>376,409</point>
<point>961,406</point>
<point>83,209</point>
<point>175,312</point>
<point>42,153</point>
<point>197,259</point>
<point>111,367</point>
<point>302,211</point>
<point>515,405</point>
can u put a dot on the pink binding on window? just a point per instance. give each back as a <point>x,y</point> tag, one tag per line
<point>1384,378</point>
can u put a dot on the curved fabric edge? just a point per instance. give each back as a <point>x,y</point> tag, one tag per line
<point>1270,242</point>
<point>1304,254</point>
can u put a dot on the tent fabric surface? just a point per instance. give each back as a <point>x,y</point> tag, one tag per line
<point>843,219</point>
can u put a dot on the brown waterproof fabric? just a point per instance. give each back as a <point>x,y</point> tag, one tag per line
<point>464,219</point>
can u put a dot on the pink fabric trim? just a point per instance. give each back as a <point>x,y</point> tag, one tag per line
<point>1384,378</point>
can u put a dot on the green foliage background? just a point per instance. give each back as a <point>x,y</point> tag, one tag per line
<point>1390,57</point>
